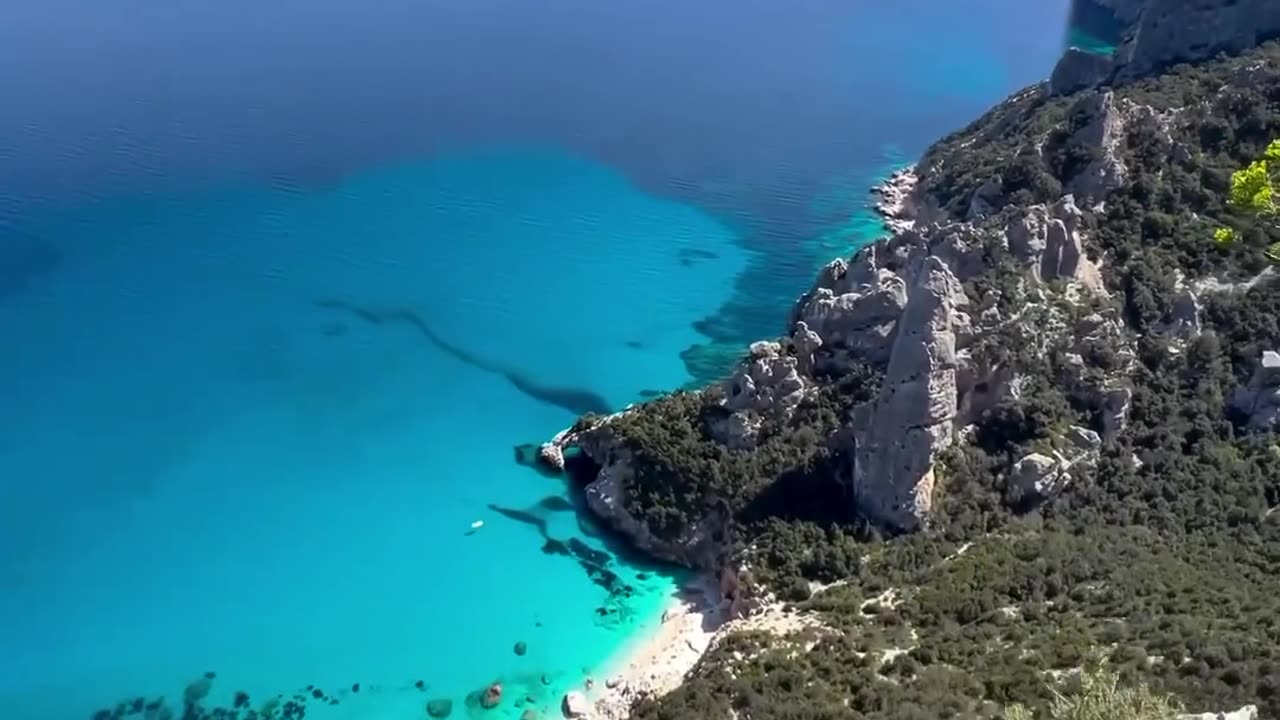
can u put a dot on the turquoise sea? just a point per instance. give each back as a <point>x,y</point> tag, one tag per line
<point>284,285</point>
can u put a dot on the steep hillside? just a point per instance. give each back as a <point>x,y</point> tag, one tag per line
<point>1034,424</point>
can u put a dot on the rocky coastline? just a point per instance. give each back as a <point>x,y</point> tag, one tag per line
<point>1009,354</point>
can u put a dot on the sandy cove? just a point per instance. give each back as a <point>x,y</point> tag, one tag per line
<point>691,625</point>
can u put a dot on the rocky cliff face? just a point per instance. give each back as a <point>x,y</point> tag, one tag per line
<point>990,285</point>
<point>1163,32</point>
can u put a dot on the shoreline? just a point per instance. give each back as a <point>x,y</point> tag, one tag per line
<point>657,662</point>
<point>894,206</point>
<point>692,626</point>
<point>695,618</point>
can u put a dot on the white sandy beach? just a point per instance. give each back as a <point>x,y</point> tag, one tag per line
<point>692,625</point>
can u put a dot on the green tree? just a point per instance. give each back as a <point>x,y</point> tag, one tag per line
<point>1253,190</point>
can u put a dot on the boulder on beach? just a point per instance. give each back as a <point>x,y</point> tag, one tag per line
<point>440,708</point>
<point>575,705</point>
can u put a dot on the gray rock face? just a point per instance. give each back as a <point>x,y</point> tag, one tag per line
<point>1078,69</point>
<point>1028,235</point>
<point>1036,477</point>
<point>772,381</point>
<point>985,198</point>
<point>1083,438</point>
<point>767,381</point>
<point>1170,31</point>
<point>853,314</point>
<point>1260,399</point>
<point>1163,32</point>
<point>897,439</point>
<point>1115,410</point>
<point>1050,241</point>
<point>961,247</point>
<point>1103,133</point>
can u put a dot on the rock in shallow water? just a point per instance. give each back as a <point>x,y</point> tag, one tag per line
<point>492,696</point>
<point>521,648</point>
<point>440,708</point>
<point>197,690</point>
<point>575,705</point>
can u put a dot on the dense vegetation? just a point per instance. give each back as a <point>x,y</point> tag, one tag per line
<point>1165,556</point>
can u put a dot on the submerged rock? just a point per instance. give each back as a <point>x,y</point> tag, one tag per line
<point>520,648</point>
<point>198,690</point>
<point>575,705</point>
<point>491,697</point>
<point>440,708</point>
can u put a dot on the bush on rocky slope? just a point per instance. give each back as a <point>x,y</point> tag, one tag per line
<point>1163,549</point>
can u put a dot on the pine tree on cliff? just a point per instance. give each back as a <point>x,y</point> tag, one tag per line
<point>1253,190</point>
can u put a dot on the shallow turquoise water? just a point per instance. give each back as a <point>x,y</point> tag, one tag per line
<point>228,440</point>
<point>283,490</point>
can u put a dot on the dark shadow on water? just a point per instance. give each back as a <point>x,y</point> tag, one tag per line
<point>578,401</point>
<point>689,256</point>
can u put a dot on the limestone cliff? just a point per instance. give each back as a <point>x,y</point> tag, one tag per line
<point>1159,33</point>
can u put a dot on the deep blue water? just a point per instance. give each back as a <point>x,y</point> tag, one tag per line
<point>282,285</point>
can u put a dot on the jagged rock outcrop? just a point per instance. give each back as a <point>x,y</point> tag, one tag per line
<point>1083,439</point>
<point>1260,399</point>
<point>772,381</point>
<point>986,199</point>
<point>1102,135</point>
<point>853,313</point>
<point>897,439</point>
<point>1079,69</point>
<point>1048,239</point>
<point>1036,477</point>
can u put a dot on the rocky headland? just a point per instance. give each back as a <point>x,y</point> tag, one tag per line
<point>1032,428</point>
